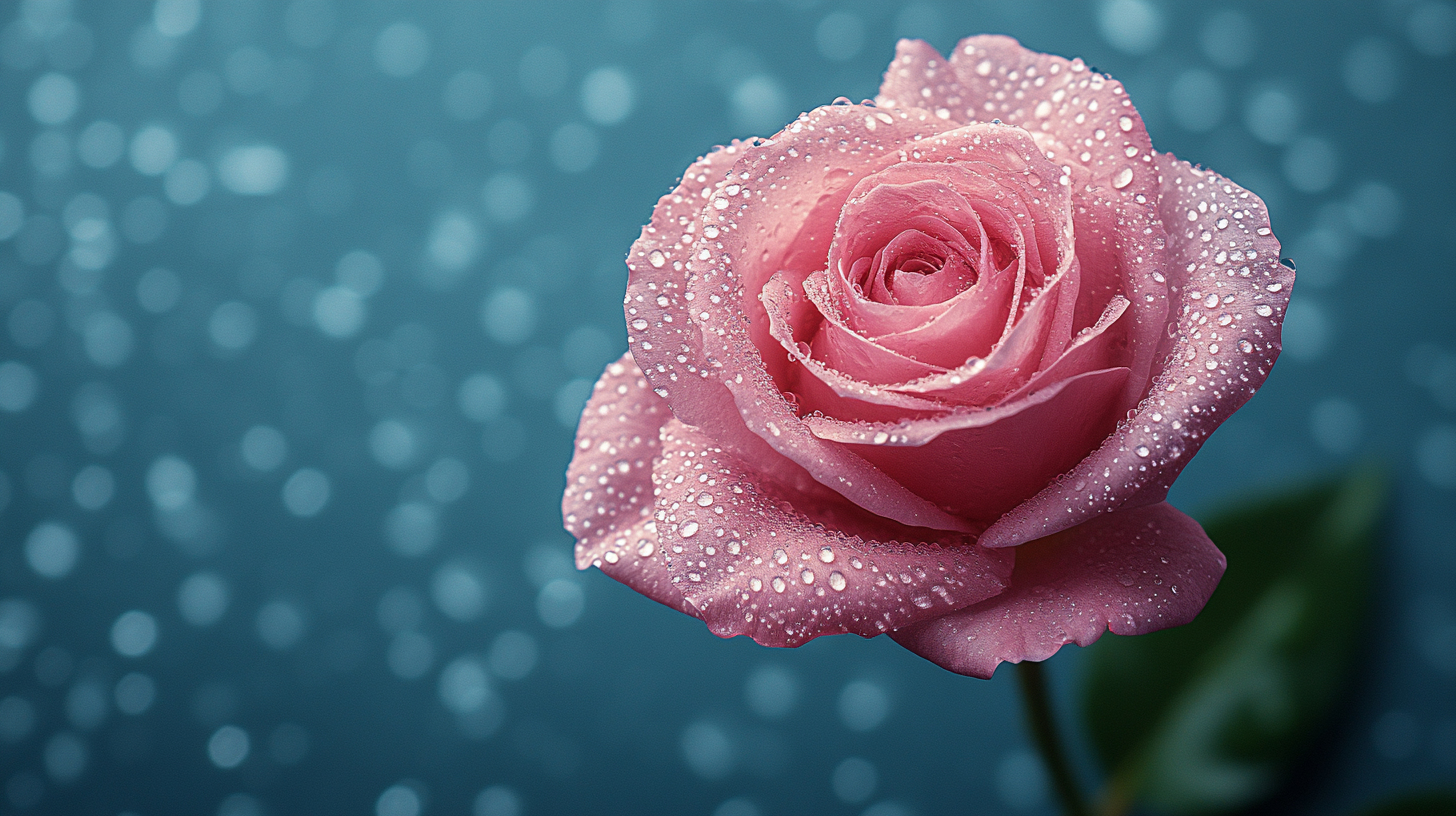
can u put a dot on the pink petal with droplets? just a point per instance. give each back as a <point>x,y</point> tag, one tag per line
<point>1079,116</point>
<point>754,565</point>
<point>665,343</point>
<point>771,222</point>
<point>1017,209</point>
<point>980,463</point>
<point>827,389</point>
<point>608,501</point>
<point>1229,292</point>
<point>840,347</point>
<point>1131,572</point>
<point>1043,332</point>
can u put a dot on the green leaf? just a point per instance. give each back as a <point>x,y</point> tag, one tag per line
<point>1423,803</point>
<point>1207,717</point>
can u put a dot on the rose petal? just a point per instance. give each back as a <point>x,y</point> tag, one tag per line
<point>1131,572</point>
<point>820,387</point>
<point>1041,332</point>
<point>754,565</point>
<point>1079,116</point>
<point>1229,291</point>
<point>980,463</point>
<point>1122,253</point>
<point>608,501</point>
<point>842,348</point>
<point>762,216</point>
<point>663,339</point>
<point>1000,175</point>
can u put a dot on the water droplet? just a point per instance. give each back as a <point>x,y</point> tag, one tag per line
<point>705,499</point>
<point>1211,301</point>
<point>639,324</point>
<point>837,582</point>
<point>645,548</point>
<point>1123,178</point>
<point>807,576</point>
<point>826,555</point>
<point>755,584</point>
<point>779,584</point>
<point>1274,287</point>
<point>1245,346</point>
<point>1125,123</point>
<point>780,557</point>
<point>656,258</point>
<point>881,438</point>
<point>688,529</point>
<point>1263,310</point>
<point>1142,450</point>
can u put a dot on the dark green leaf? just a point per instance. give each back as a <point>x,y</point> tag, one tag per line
<point>1207,717</point>
<point>1425,803</point>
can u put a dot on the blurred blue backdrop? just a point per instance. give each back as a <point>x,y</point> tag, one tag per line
<point>301,301</point>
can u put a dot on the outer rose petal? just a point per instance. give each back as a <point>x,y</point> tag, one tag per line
<point>1132,572</point>
<point>665,343</point>
<point>608,500</point>
<point>1229,292</point>
<point>994,77</point>
<point>753,565</point>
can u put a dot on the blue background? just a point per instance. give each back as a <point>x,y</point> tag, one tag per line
<point>295,339</point>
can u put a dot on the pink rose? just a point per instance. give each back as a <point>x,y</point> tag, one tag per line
<point>928,367</point>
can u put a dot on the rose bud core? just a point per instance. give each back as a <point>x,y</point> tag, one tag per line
<point>927,366</point>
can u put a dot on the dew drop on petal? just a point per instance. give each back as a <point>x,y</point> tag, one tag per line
<point>837,582</point>
<point>688,529</point>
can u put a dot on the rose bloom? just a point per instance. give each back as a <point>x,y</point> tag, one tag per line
<point>928,366</point>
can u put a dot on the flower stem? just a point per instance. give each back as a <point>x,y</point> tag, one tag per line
<point>1048,740</point>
